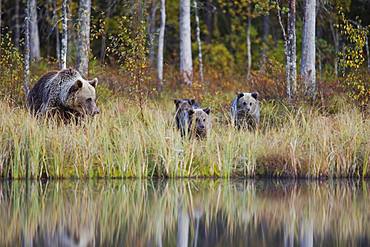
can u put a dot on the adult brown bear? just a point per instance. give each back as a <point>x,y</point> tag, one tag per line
<point>65,93</point>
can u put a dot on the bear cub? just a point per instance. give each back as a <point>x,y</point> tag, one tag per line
<point>245,110</point>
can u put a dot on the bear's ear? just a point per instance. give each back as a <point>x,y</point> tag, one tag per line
<point>255,95</point>
<point>191,101</point>
<point>240,95</point>
<point>78,84</point>
<point>207,110</point>
<point>94,82</point>
<point>191,112</point>
<point>177,102</point>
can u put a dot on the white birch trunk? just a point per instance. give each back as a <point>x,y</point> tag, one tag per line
<point>291,67</point>
<point>84,37</point>
<point>34,32</point>
<point>26,61</point>
<point>200,58</point>
<point>290,49</point>
<point>308,71</point>
<point>186,62</point>
<point>64,45</point>
<point>151,29</point>
<point>161,44</point>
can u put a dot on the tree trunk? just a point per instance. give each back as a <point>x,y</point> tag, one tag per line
<point>199,42</point>
<point>249,51</point>
<point>83,48</point>
<point>291,51</point>
<point>308,71</point>
<point>17,26</point>
<point>182,228</point>
<point>26,72</point>
<point>186,62</point>
<point>161,44</point>
<point>34,32</point>
<point>64,45</point>
<point>56,26</point>
<point>209,21</point>
<point>151,21</point>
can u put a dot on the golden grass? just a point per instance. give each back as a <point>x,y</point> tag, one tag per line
<point>125,142</point>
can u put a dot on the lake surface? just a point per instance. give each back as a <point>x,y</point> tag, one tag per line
<point>185,213</point>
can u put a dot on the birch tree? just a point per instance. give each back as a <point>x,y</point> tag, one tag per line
<point>161,44</point>
<point>200,59</point>
<point>64,45</point>
<point>186,62</point>
<point>290,48</point>
<point>34,32</point>
<point>151,30</point>
<point>308,71</point>
<point>83,48</point>
<point>26,61</point>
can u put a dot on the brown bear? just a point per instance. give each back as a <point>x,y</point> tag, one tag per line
<point>199,122</point>
<point>64,93</point>
<point>182,113</point>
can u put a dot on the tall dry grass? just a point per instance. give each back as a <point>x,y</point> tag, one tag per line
<point>126,141</point>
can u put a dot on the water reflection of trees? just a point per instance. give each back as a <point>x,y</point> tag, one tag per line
<point>195,212</point>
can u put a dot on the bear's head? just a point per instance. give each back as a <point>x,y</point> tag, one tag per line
<point>82,97</point>
<point>247,103</point>
<point>185,104</point>
<point>200,121</point>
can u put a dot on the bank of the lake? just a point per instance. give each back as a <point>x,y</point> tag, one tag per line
<point>126,141</point>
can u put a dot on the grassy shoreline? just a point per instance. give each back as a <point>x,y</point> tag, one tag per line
<point>126,142</point>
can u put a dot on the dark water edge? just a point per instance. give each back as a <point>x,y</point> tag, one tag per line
<point>185,212</point>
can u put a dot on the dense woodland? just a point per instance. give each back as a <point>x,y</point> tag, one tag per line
<point>284,49</point>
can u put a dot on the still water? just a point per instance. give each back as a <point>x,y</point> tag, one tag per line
<point>185,213</point>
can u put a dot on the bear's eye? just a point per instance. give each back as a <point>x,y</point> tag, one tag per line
<point>244,103</point>
<point>88,99</point>
<point>250,104</point>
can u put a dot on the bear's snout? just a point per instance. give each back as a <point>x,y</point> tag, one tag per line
<point>96,111</point>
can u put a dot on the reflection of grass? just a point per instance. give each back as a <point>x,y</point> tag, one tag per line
<point>141,211</point>
<point>118,143</point>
